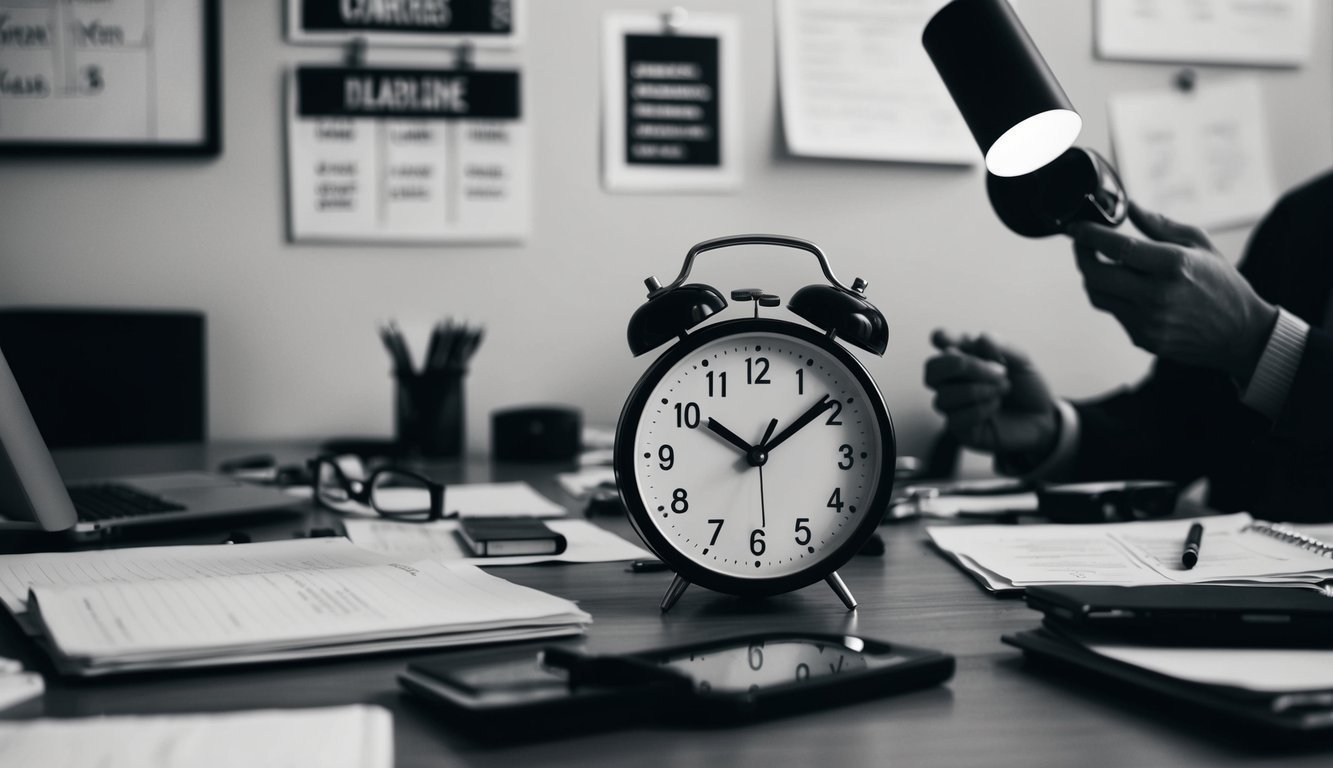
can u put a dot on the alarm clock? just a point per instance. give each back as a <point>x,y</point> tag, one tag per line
<point>755,456</point>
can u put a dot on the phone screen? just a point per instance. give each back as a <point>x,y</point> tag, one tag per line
<point>769,663</point>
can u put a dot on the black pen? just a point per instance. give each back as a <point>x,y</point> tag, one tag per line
<point>1193,541</point>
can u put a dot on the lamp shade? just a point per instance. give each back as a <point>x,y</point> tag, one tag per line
<point>1017,111</point>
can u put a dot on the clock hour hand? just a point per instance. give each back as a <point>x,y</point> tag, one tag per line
<point>731,437</point>
<point>810,415</point>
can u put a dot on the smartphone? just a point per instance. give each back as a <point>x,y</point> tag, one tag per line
<point>559,690</point>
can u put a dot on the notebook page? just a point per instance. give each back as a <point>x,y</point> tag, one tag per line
<point>333,737</point>
<point>287,609</point>
<point>1036,554</point>
<point>1225,552</point>
<point>19,573</point>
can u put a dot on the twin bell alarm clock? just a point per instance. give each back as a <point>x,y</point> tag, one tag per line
<point>755,456</point>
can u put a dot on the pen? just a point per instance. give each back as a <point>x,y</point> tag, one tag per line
<point>1192,543</point>
<point>647,566</point>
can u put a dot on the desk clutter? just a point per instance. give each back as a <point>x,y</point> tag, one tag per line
<point>332,737</point>
<point>155,608</point>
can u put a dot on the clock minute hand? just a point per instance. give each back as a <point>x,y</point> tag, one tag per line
<point>810,415</point>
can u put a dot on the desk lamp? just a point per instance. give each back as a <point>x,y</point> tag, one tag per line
<point>1020,117</point>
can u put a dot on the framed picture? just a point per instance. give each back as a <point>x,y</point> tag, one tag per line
<point>115,77</point>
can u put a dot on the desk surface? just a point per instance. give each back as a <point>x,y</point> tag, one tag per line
<point>997,711</point>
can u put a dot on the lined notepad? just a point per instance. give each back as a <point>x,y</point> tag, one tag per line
<point>1236,550</point>
<point>135,609</point>
<point>332,737</point>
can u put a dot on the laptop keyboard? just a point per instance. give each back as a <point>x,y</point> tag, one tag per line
<point>109,501</point>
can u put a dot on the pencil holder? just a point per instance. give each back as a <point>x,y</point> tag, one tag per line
<point>429,412</point>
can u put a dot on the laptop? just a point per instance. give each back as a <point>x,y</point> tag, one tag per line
<point>34,497</point>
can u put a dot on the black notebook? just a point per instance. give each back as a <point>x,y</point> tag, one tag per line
<point>501,536</point>
<point>1283,689</point>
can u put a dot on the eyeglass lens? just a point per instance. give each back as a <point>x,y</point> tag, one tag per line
<point>399,494</point>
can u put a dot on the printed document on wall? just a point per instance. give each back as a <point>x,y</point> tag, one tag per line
<point>407,155</point>
<point>856,83</point>
<point>671,99</point>
<point>1267,33</point>
<point>1200,157</point>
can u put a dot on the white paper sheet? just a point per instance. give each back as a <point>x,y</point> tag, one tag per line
<point>1201,157</point>
<point>671,110</point>
<point>19,573</point>
<point>1272,32</point>
<point>856,83</point>
<point>586,480</point>
<point>334,737</point>
<point>585,543</point>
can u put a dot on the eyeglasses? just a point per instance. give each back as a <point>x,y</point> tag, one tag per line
<point>397,494</point>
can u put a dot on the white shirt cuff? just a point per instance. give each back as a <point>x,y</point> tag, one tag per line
<point>1267,389</point>
<point>1066,445</point>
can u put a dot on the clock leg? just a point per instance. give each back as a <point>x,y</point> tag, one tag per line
<point>674,592</point>
<point>839,588</point>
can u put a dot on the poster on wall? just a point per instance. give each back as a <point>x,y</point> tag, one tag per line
<point>1276,33</point>
<point>855,83</point>
<point>420,23</point>
<point>407,155</point>
<point>671,103</point>
<point>1201,157</point>
<point>109,77</point>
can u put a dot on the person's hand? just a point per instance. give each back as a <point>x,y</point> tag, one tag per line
<point>1175,295</point>
<point>992,397</point>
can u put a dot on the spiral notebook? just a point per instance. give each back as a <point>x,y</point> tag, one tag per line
<point>1236,549</point>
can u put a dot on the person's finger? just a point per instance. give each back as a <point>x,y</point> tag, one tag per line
<point>1143,255</point>
<point>942,339</point>
<point>1159,227</point>
<point>955,397</point>
<point>954,366</point>
<point>1101,277</point>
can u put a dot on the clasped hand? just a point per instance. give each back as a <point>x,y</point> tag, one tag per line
<point>1174,294</point>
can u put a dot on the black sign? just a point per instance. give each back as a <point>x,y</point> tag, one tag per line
<point>671,101</point>
<point>470,17</point>
<point>436,94</point>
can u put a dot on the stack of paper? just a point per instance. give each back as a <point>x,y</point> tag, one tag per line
<point>156,608</point>
<point>1234,551</point>
<point>334,737</point>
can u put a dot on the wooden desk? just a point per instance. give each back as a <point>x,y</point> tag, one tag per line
<point>995,712</point>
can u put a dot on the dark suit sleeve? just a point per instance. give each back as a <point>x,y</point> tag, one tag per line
<point>1175,424</point>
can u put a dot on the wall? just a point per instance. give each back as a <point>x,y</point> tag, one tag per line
<point>292,345</point>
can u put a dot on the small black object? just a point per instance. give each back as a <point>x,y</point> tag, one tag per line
<point>648,566</point>
<point>507,694</point>
<point>536,433</point>
<point>1190,557</point>
<point>1107,502</point>
<point>605,502</point>
<point>1079,185</point>
<point>504,536</point>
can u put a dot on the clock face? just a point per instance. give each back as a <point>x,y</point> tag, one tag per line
<point>754,451</point>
